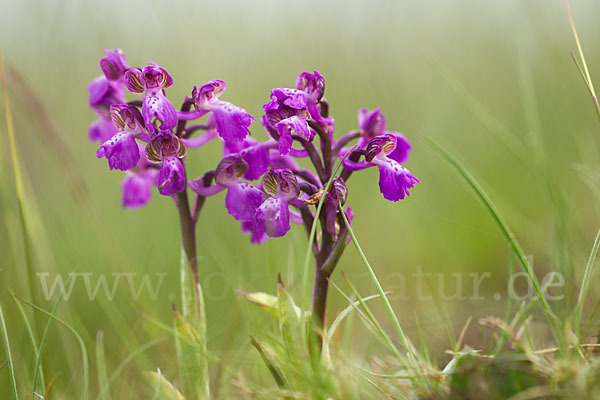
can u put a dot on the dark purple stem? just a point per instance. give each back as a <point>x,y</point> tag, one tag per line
<point>186,106</point>
<point>188,132</point>
<point>314,157</point>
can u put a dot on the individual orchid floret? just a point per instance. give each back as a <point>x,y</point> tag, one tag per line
<point>103,94</point>
<point>313,86</point>
<point>151,82</point>
<point>287,114</point>
<point>242,198</point>
<point>372,123</point>
<point>232,122</point>
<point>336,196</point>
<point>136,187</point>
<point>167,149</point>
<point>273,216</point>
<point>121,150</point>
<point>114,64</point>
<point>394,179</point>
<point>254,153</point>
<point>101,130</point>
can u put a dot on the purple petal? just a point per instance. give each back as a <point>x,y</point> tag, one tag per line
<point>136,190</point>
<point>198,187</point>
<point>121,151</point>
<point>257,158</point>
<point>403,148</point>
<point>297,125</point>
<point>272,218</point>
<point>160,106</point>
<point>101,130</point>
<point>394,179</point>
<point>104,93</point>
<point>247,227</point>
<point>290,97</point>
<point>311,84</point>
<point>230,169</point>
<point>199,141</point>
<point>242,200</point>
<point>232,122</point>
<point>371,123</point>
<point>205,96</point>
<point>171,177</point>
<point>114,64</point>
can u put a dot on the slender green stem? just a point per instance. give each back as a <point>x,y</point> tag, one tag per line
<point>588,77</point>
<point>84,354</point>
<point>11,366</point>
<point>404,340</point>
<point>23,218</point>
<point>585,284</point>
<point>508,235</point>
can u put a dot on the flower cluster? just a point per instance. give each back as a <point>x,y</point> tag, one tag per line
<point>149,139</point>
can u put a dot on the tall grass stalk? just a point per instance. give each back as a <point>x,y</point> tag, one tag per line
<point>84,354</point>
<point>18,179</point>
<point>404,340</point>
<point>11,365</point>
<point>583,68</point>
<point>509,236</point>
<point>585,285</point>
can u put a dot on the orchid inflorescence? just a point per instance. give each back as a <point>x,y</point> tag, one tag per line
<point>150,139</point>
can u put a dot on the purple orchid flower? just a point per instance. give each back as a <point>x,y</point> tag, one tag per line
<point>151,81</point>
<point>313,86</point>
<point>273,216</point>
<point>232,122</point>
<point>136,186</point>
<point>337,195</point>
<point>242,198</point>
<point>103,94</point>
<point>121,150</point>
<point>287,114</point>
<point>372,124</point>
<point>394,179</point>
<point>254,153</point>
<point>114,64</point>
<point>101,130</point>
<point>167,149</point>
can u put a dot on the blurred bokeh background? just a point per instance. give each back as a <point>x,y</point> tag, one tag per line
<point>492,82</point>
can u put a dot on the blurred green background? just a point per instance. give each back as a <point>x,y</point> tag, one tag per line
<point>462,72</point>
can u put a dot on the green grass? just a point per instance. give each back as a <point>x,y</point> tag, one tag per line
<point>491,84</point>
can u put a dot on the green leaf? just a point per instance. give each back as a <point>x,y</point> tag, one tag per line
<point>270,359</point>
<point>191,324</point>
<point>101,364</point>
<point>269,303</point>
<point>165,389</point>
<point>11,366</point>
<point>290,325</point>
<point>192,360</point>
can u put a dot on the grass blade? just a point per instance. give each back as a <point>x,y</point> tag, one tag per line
<point>16,166</point>
<point>36,350</point>
<point>404,340</point>
<point>101,364</point>
<point>84,354</point>
<point>105,389</point>
<point>11,367</point>
<point>509,236</point>
<point>162,387</point>
<point>585,284</point>
<point>341,316</point>
<point>587,77</point>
